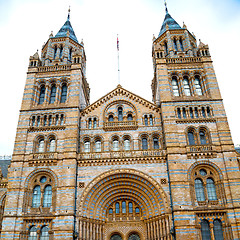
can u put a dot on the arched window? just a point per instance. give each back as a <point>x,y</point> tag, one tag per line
<point>181,44</point>
<point>124,207</point>
<point>217,229</point>
<point>198,86</point>
<point>116,237</point>
<point>186,86</point>
<point>70,53</point>
<point>130,207</point>
<point>64,93</point>
<point>155,143</point>
<point>62,119</point>
<point>41,146</point>
<point>203,138</point>
<point>199,190</point>
<point>184,113</point>
<point>137,210</point>
<point>211,189</point>
<point>110,211</point>
<point>38,121</point>
<point>57,119</point>
<point>44,235</point>
<point>45,121</point>
<point>191,112</point>
<point>175,87</point>
<point>87,146</point>
<point>53,94</point>
<point>134,236</point>
<point>110,118</point>
<point>166,48</point>
<point>209,112</point>
<point>129,117</point>
<point>150,120</point>
<point>89,123</point>
<point>98,146</point>
<point>47,196</point>
<point>179,113</point>
<point>126,144</point>
<point>36,197</point>
<point>33,121</point>
<point>42,95</point>
<point>120,114</point>
<point>52,145</point>
<point>191,138</point>
<point>32,233</point>
<point>203,112</point>
<point>115,145</point>
<point>205,230</point>
<point>117,209</point>
<point>50,120</point>
<point>144,143</point>
<point>175,44</point>
<point>61,51</point>
<point>196,112</point>
<point>145,120</point>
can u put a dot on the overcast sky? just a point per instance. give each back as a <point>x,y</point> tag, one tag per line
<point>26,24</point>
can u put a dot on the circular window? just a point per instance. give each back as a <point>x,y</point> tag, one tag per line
<point>43,179</point>
<point>203,172</point>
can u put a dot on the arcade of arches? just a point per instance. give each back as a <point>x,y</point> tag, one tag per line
<point>124,205</point>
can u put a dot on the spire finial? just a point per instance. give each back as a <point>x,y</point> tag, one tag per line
<point>165,3</point>
<point>69,13</point>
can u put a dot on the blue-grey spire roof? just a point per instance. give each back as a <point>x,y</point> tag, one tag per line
<point>67,27</point>
<point>168,20</point>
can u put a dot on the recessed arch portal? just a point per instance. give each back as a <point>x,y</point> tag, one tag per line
<point>122,184</point>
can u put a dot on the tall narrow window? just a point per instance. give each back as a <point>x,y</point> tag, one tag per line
<point>42,95</point>
<point>115,145</point>
<point>181,44</point>
<point>198,86</point>
<point>202,136</point>
<point>87,146</point>
<point>203,112</point>
<point>179,113</point>
<point>191,112</point>
<point>199,190</point>
<point>44,235</point>
<point>150,120</point>
<point>123,207</point>
<point>53,94</point>
<point>211,189</point>
<point>175,44</point>
<point>94,123</point>
<point>146,120</point>
<point>191,138</point>
<point>166,48</point>
<point>50,120</point>
<point>175,87</point>
<point>57,119</point>
<point>64,93</point>
<point>89,123</point>
<point>184,113</point>
<point>33,121</point>
<point>52,145</point>
<point>144,143</point>
<point>196,112</point>
<point>70,54</point>
<point>130,207</point>
<point>38,121</point>
<point>126,144</point>
<point>36,197</point>
<point>45,121</point>
<point>32,233</point>
<point>97,146</point>
<point>117,210</point>
<point>186,86</point>
<point>120,114</point>
<point>47,196</point>
<point>209,112</point>
<point>155,143</point>
<point>110,118</point>
<point>62,119</point>
<point>41,146</point>
<point>55,52</point>
<point>205,230</point>
<point>61,51</point>
<point>217,229</point>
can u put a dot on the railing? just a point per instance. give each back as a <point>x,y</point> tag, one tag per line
<point>54,68</point>
<point>184,60</point>
<point>39,156</point>
<point>198,149</point>
<point>124,154</point>
<point>129,125</point>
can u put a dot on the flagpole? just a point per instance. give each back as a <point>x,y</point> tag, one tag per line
<point>118,60</point>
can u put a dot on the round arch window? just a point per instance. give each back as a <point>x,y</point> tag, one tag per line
<point>116,237</point>
<point>134,236</point>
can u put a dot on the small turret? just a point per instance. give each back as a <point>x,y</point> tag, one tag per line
<point>34,61</point>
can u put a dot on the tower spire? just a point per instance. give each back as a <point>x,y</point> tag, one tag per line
<point>165,3</point>
<point>69,13</point>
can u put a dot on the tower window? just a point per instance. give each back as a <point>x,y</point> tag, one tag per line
<point>41,146</point>
<point>186,86</point>
<point>150,120</point>
<point>146,120</point>
<point>179,113</point>
<point>184,113</point>
<point>126,144</point>
<point>52,145</point>
<point>89,123</point>
<point>203,112</point>
<point>55,52</point>
<point>155,143</point>
<point>205,230</point>
<point>181,44</point>
<point>47,196</point>
<point>94,123</point>
<point>33,121</point>
<point>175,44</point>
<point>61,51</point>
<point>144,143</point>
<point>70,54</point>
<point>42,95</point>
<point>62,119</point>
<point>36,198</point>
<point>211,189</point>
<point>203,139</point>
<point>196,112</point>
<point>175,87</point>
<point>120,114</point>
<point>198,86</point>
<point>98,146</point>
<point>191,138</point>
<point>53,94</point>
<point>166,48</point>
<point>191,112</point>
<point>64,93</point>
<point>87,146</point>
<point>115,145</point>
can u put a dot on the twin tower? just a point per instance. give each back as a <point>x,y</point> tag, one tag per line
<point>122,168</point>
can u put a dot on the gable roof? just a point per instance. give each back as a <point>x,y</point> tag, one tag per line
<point>120,91</point>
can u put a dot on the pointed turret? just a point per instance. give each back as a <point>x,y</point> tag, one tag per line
<point>67,30</point>
<point>168,23</point>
